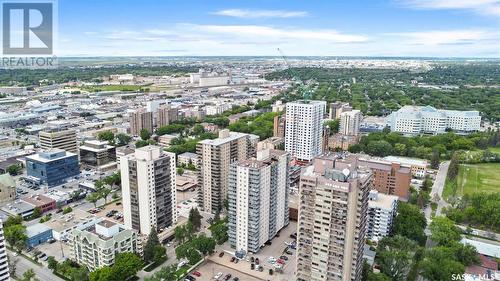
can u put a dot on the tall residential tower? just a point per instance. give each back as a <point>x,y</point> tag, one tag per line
<point>332,219</point>
<point>148,189</point>
<point>304,129</point>
<point>258,199</point>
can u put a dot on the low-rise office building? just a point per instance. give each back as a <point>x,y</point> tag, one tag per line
<point>418,166</point>
<point>37,234</point>
<point>44,203</point>
<point>187,158</point>
<point>52,167</point>
<point>96,245</point>
<point>97,154</point>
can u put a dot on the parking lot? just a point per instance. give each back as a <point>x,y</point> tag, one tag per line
<point>210,269</point>
<point>274,250</point>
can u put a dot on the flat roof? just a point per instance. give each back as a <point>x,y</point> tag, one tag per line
<point>36,229</point>
<point>406,160</point>
<point>232,136</point>
<point>36,157</point>
<point>383,201</point>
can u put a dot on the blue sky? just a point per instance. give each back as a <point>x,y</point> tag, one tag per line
<point>441,28</point>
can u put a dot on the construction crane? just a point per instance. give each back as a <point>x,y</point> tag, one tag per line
<point>303,89</point>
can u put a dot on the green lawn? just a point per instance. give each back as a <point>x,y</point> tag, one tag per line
<point>494,149</point>
<point>478,178</point>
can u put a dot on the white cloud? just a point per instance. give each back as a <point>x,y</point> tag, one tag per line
<point>244,13</point>
<point>485,7</point>
<point>447,37</point>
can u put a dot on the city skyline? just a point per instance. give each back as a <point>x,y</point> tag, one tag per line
<point>425,28</point>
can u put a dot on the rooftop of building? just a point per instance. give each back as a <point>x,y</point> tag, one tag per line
<point>50,155</point>
<point>384,165</point>
<point>406,160</point>
<point>36,229</point>
<point>18,207</point>
<point>380,200</point>
<point>38,199</point>
<point>7,180</point>
<point>225,136</point>
<point>95,146</point>
<point>340,167</point>
<point>307,102</point>
<point>62,222</point>
<point>189,155</point>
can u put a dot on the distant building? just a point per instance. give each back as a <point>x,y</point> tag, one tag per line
<point>166,139</point>
<point>215,157</point>
<point>166,114</point>
<point>7,188</point>
<point>57,137</point>
<point>418,166</point>
<point>195,112</point>
<point>340,141</point>
<point>122,151</point>
<point>4,262</point>
<point>52,167</point>
<point>149,189</point>
<point>349,122</point>
<point>258,199</point>
<point>139,120</point>
<point>188,157</point>
<point>96,245</point>
<point>336,108</point>
<point>304,129</point>
<point>97,154</point>
<point>279,126</point>
<point>213,79</point>
<point>37,234</point>
<point>278,106</point>
<point>209,127</point>
<point>271,143</point>
<point>381,213</point>
<point>389,177</point>
<point>429,120</point>
<point>332,226</point>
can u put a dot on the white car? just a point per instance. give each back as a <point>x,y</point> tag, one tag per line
<point>218,275</point>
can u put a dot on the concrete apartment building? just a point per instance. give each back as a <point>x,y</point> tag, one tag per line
<point>96,245</point>
<point>97,154</point>
<point>279,126</point>
<point>52,167</point>
<point>215,157</point>
<point>349,122</point>
<point>149,189</point>
<point>56,137</point>
<point>4,263</point>
<point>258,199</point>
<point>414,120</point>
<point>389,178</point>
<point>333,206</point>
<point>304,129</point>
<point>141,119</point>
<point>381,213</point>
<point>336,108</point>
<point>166,115</point>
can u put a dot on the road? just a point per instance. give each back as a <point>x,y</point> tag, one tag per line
<point>437,189</point>
<point>22,265</point>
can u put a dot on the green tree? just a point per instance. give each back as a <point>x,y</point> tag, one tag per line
<point>105,273</point>
<point>123,139</point>
<point>438,265</point>
<point>410,222</point>
<point>126,265</point>
<point>13,169</point>
<point>195,218</point>
<point>379,148</point>
<point>29,275</point>
<point>67,210</point>
<point>16,236</point>
<point>151,243</point>
<point>52,263</point>
<point>179,233</point>
<point>107,136</point>
<point>427,183</point>
<point>13,221</point>
<point>93,198</point>
<point>180,171</point>
<point>104,193</point>
<point>453,168</point>
<point>443,231</point>
<point>219,232</point>
<point>159,254</point>
<point>198,129</point>
<point>466,254</point>
<point>395,256</point>
<point>145,134</point>
<point>435,158</point>
<point>37,212</point>
<point>333,125</point>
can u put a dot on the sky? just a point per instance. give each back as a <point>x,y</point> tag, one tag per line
<point>419,28</point>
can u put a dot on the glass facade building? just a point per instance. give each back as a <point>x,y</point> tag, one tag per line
<point>52,167</point>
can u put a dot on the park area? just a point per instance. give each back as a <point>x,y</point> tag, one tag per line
<point>474,178</point>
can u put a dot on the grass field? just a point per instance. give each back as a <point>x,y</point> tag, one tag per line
<point>478,178</point>
<point>494,149</point>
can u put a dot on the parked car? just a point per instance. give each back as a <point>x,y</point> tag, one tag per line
<point>252,266</point>
<point>221,254</point>
<point>268,242</point>
<point>227,277</point>
<point>252,259</point>
<point>190,278</point>
<point>257,261</point>
<point>285,258</point>
<point>197,274</point>
<point>232,259</point>
<point>218,275</point>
